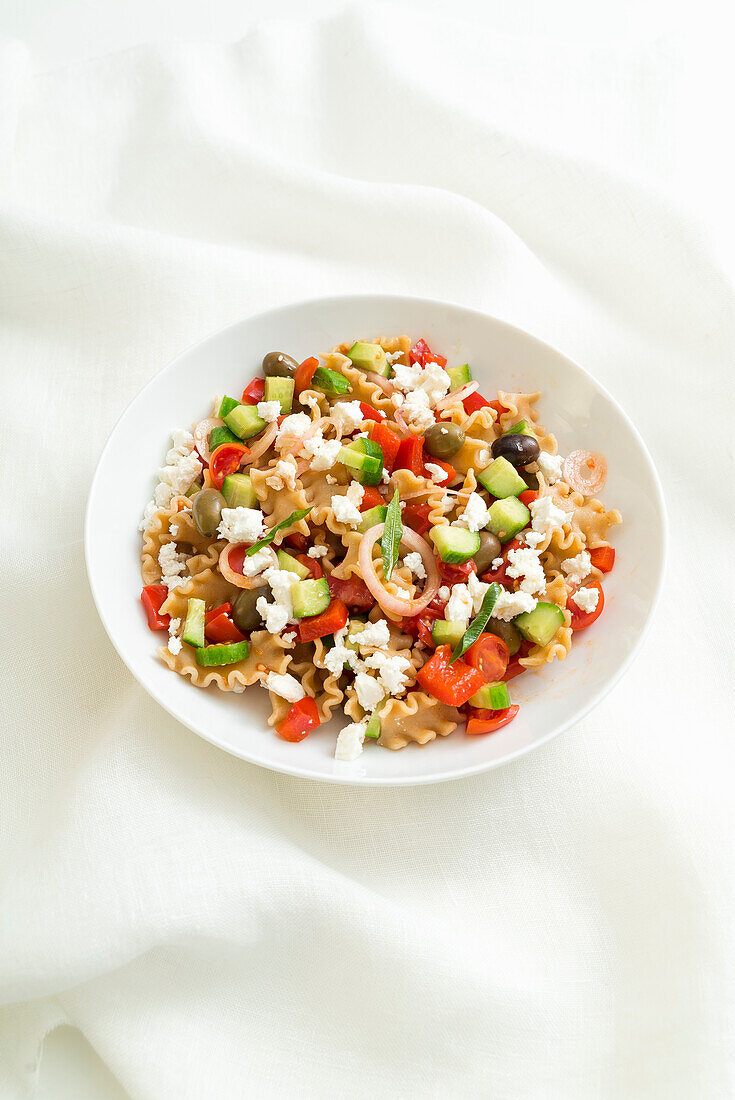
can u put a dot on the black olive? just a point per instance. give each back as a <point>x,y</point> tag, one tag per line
<point>518,449</point>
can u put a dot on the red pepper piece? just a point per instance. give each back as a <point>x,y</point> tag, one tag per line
<point>449,471</point>
<point>603,558</point>
<point>223,609</point>
<point>389,442</point>
<point>487,721</point>
<point>455,574</point>
<point>370,413</point>
<point>416,516</point>
<point>329,622</point>
<point>475,401</point>
<point>451,684</point>
<point>304,374</point>
<point>422,353</point>
<point>528,496</point>
<point>152,596</point>
<point>253,393</point>
<point>353,591</point>
<point>371,498</point>
<point>300,720</point>
<point>222,629</point>
<point>411,455</point>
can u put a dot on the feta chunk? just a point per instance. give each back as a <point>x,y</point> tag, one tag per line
<point>368,690</point>
<point>150,510</point>
<point>532,538</point>
<point>526,564</point>
<point>475,515</point>
<point>275,615</point>
<point>435,472</point>
<point>269,410</point>
<point>283,475</point>
<point>550,466</point>
<point>459,607</point>
<point>174,645</point>
<point>391,669</point>
<point>293,428</point>
<point>477,590</point>
<point>577,568</point>
<point>339,656</point>
<point>317,551</point>
<point>496,563</point>
<point>176,477</point>
<point>172,565</point>
<point>417,411</point>
<point>241,524</point>
<point>483,458</point>
<point>546,516</point>
<point>348,414</point>
<point>586,599</point>
<point>510,604</point>
<point>415,563</point>
<point>257,562</point>
<point>346,508</point>
<point>350,741</point>
<point>325,453</point>
<point>444,592</point>
<point>374,634</point>
<point>432,380</point>
<point>331,480</point>
<point>287,687</point>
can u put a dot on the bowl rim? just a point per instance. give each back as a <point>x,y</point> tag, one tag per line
<point>387,781</point>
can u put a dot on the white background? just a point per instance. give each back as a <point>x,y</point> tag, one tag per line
<point>698,173</point>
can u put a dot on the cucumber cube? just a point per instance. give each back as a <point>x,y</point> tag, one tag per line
<point>372,517</point>
<point>237,489</point>
<point>227,405</point>
<point>286,561</point>
<point>330,381</point>
<point>310,598</point>
<point>229,653</point>
<point>521,428</point>
<point>372,730</point>
<point>194,624</point>
<point>281,390</point>
<point>448,633</point>
<point>455,545</point>
<point>369,357</point>
<point>220,435</point>
<point>459,376</point>
<point>491,697</point>
<point>244,421</point>
<point>507,518</point>
<point>364,458</point>
<point>541,624</point>
<point>501,479</point>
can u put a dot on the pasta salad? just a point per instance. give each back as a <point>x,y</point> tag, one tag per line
<point>372,533</point>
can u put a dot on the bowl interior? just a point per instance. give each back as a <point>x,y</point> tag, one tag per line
<point>572,405</point>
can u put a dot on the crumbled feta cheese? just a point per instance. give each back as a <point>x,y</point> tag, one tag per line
<point>339,655</point>
<point>174,645</point>
<point>350,741</point>
<point>577,568</point>
<point>385,477</point>
<point>586,599</point>
<point>496,563</point>
<point>532,538</point>
<point>459,607</point>
<point>317,551</point>
<point>348,414</point>
<point>269,410</point>
<point>257,562</point>
<point>394,356</point>
<point>431,380</point>
<point>415,563</point>
<point>287,687</point>
<point>173,626</point>
<point>526,564</point>
<point>510,604</point>
<point>325,453</point>
<point>546,516</point>
<point>369,692</point>
<point>444,592</point>
<point>172,565</point>
<point>150,510</point>
<point>275,615</point>
<point>293,428</point>
<point>176,478</point>
<point>550,466</point>
<point>241,524</point>
<point>331,480</point>
<point>475,515</point>
<point>435,472</point>
<point>182,443</point>
<point>391,669</point>
<point>374,634</point>
<point>283,475</point>
<point>477,589</point>
<point>346,508</point>
<point>417,411</point>
<point>483,458</point>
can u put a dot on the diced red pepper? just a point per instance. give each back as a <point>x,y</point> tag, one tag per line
<point>222,629</point>
<point>515,668</point>
<point>455,574</point>
<point>369,413</point>
<point>451,684</point>
<point>487,721</point>
<point>253,393</point>
<point>475,401</point>
<point>416,516</point>
<point>371,498</point>
<point>223,609</point>
<point>329,622</point>
<point>603,558</point>
<point>311,564</point>
<point>411,455</point>
<point>302,718</point>
<point>353,591</point>
<point>389,443</point>
<point>152,596</point>
<point>499,407</point>
<point>304,374</point>
<point>528,496</point>
<point>449,471</point>
<point>422,353</point>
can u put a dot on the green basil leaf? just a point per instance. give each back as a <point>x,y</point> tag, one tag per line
<point>390,540</point>
<point>267,539</point>
<point>478,624</point>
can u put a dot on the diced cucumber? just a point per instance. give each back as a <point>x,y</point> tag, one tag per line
<point>455,545</point>
<point>507,632</point>
<point>459,376</point>
<point>372,517</point>
<point>447,633</point>
<point>229,653</point>
<point>237,489</point>
<point>541,624</point>
<point>286,561</point>
<point>330,381</point>
<point>280,389</point>
<point>501,479</point>
<point>507,518</point>
<point>220,435</point>
<point>372,729</point>
<point>369,357</point>
<point>521,428</point>
<point>244,421</point>
<point>364,458</point>
<point>194,624</point>
<point>310,598</point>
<point>193,489</point>
<point>227,405</point>
<point>491,697</point>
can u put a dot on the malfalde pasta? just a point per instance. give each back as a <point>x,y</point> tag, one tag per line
<point>370,532</point>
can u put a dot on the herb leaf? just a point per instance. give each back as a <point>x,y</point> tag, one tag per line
<point>390,540</point>
<point>478,624</point>
<point>268,537</point>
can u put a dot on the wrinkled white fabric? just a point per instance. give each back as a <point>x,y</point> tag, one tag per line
<point>561,928</point>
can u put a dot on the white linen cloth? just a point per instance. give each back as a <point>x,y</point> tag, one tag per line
<point>561,927</point>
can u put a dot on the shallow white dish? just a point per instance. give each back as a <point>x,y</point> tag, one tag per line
<point>573,406</point>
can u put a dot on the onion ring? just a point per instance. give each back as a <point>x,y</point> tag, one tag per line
<point>263,443</point>
<point>382,383</point>
<point>398,418</point>
<point>395,604</point>
<point>297,444</point>
<point>201,435</point>
<point>585,471</point>
<point>457,395</point>
<point>238,579</point>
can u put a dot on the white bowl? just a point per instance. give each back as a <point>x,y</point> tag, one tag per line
<point>573,406</point>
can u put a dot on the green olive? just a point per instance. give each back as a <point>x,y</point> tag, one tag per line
<point>276,364</point>
<point>244,613</point>
<point>207,510</point>
<point>509,633</point>
<point>443,440</point>
<point>489,550</point>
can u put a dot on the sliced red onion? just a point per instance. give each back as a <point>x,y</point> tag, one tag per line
<point>238,579</point>
<point>388,602</point>
<point>201,435</point>
<point>260,446</point>
<point>382,383</point>
<point>585,471</point>
<point>457,395</point>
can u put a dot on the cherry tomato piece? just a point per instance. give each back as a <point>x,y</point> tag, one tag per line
<point>225,461</point>
<point>487,721</point>
<point>489,654</point>
<point>582,619</point>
